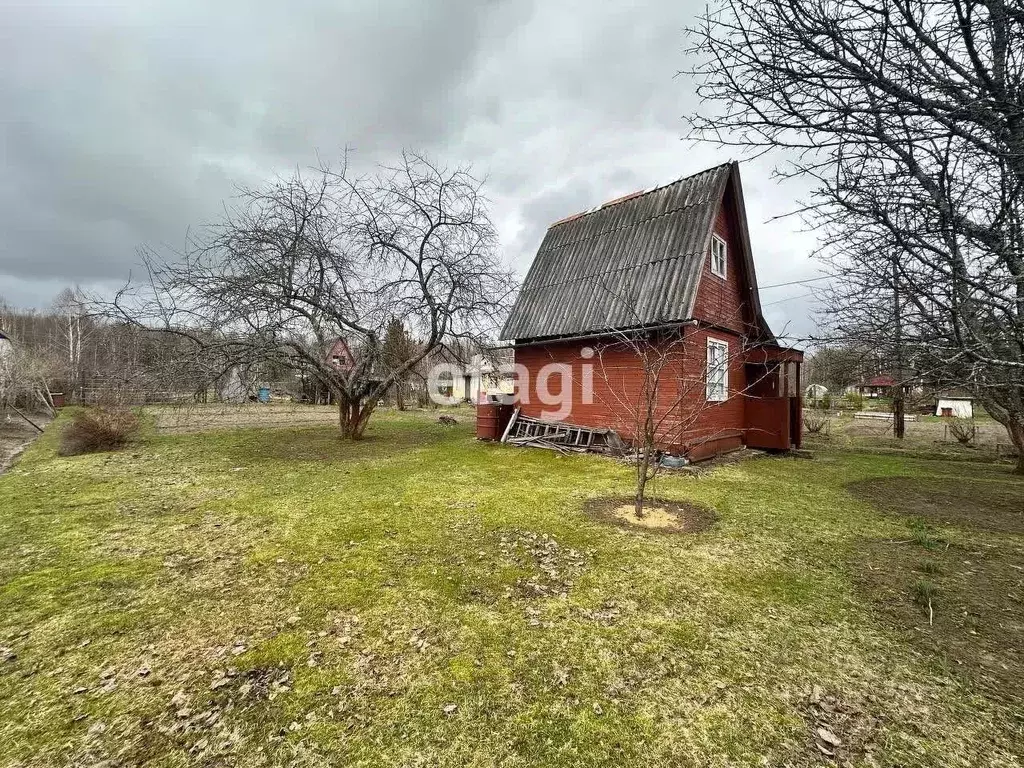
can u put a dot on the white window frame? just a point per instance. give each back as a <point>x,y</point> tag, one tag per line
<point>717,241</point>
<point>717,377</point>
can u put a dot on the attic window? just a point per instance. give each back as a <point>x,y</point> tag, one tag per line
<point>719,256</point>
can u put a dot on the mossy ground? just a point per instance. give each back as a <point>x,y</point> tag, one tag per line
<point>275,596</point>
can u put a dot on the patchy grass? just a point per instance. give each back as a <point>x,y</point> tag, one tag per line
<point>929,437</point>
<point>973,498</point>
<point>274,596</point>
<point>961,603</point>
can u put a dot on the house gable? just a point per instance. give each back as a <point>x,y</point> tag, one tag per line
<point>727,301</point>
<point>340,355</point>
<point>635,262</point>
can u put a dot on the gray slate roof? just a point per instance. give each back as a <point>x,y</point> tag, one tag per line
<point>633,262</point>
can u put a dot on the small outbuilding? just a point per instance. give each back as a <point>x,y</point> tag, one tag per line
<point>954,406</point>
<point>876,386</point>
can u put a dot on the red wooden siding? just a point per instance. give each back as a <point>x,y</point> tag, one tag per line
<point>689,423</point>
<point>721,301</point>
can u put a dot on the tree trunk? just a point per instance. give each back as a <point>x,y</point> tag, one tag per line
<point>353,416</point>
<point>899,423</point>
<point>641,482</point>
<point>1012,419</point>
<point>638,501</point>
<point>399,399</point>
<point>1016,432</point>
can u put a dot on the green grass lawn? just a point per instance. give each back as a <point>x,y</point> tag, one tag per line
<point>276,597</point>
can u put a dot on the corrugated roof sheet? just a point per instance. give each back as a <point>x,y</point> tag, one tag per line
<point>635,261</point>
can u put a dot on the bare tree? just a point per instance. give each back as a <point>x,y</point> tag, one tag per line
<point>661,401</point>
<point>908,116</point>
<point>643,373</point>
<point>836,366</point>
<point>74,325</point>
<point>24,373</point>
<point>316,259</point>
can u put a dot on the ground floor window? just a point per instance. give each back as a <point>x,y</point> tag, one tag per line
<point>718,370</point>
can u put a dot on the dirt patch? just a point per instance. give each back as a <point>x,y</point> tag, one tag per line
<point>16,435</point>
<point>976,596</point>
<point>660,516</point>
<point>996,505</point>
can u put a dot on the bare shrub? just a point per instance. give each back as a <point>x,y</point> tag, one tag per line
<point>963,430</point>
<point>817,423</point>
<point>98,429</point>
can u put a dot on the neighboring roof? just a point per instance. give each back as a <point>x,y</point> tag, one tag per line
<point>632,262</point>
<point>880,381</point>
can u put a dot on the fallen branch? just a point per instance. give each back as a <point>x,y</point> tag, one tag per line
<point>26,418</point>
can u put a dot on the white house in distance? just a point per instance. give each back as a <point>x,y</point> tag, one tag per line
<point>955,406</point>
<point>483,376</point>
<point>815,392</point>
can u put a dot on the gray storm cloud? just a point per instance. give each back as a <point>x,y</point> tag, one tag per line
<point>126,125</point>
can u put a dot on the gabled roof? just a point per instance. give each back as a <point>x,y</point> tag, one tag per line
<point>633,262</point>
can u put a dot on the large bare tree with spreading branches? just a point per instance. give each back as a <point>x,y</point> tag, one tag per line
<point>908,116</point>
<point>327,255</point>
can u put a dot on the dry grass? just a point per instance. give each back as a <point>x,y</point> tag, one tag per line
<point>274,596</point>
<point>193,417</point>
<point>929,436</point>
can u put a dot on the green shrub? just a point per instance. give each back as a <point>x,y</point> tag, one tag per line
<point>98,429</point>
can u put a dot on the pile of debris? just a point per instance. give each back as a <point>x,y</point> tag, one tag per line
<point>562,437</point>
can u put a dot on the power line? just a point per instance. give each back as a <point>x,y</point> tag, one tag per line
<point>789,298</point>
<point>796,282</point>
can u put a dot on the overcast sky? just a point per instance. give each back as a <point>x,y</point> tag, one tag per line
<point>127,123</point>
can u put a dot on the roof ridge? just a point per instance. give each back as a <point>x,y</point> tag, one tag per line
<point>639,193</point>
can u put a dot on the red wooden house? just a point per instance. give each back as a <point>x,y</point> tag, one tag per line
<point>671,266</point>
<point>339,355</point>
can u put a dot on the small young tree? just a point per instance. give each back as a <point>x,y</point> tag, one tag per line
<point>312,259</point>
<point>647,379</point>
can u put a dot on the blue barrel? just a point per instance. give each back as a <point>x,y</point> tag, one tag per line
<point>264,394</point>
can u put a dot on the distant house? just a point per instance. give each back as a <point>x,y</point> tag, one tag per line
<point>880,386</point>
<point>340,356</point>
<point>6,345</point>
<point>954,405</point>
<point>484,375</point>
<point>673,265</point>
<point>815,392</point>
